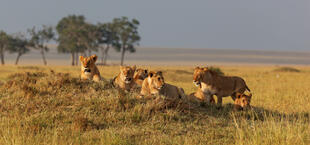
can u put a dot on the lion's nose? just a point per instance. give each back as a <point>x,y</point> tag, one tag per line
<point>128,79</point>
<point>87,70</point>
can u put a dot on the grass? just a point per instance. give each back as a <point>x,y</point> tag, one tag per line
<point>40,106</point>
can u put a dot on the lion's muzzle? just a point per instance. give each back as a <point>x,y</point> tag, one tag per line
<point>87,70</point>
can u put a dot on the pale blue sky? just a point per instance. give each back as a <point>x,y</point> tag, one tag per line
<point>241,24</point>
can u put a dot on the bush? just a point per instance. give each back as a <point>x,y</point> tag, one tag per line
<point>286,69</point>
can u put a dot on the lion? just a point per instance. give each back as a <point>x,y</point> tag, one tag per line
<point>201,97</point>
<point>124,79</point>
<point>212,83</point>
<point>155,84</point>
<point>242,101</point>
<point>89,70</point>
<point>139,76</point>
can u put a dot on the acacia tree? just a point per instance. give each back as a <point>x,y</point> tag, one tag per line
<point>39,38</point>
<point>107,38</point>
<point>71,30</point>
<point>4,44</point>
<point>20,45</point>
<point>76,36</point>
<point>127,31</point>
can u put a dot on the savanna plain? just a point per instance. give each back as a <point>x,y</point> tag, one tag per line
<point>51,105</point>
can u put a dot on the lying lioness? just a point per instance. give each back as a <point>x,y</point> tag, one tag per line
<point>154,84</point>
<point>201,97</point>
<point>139,76</point>
<point>242,101</point>
<point>89,70</point>
<point>212,83</point>
<point>125,80</point>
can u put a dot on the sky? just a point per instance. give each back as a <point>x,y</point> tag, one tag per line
<point>224,24</point>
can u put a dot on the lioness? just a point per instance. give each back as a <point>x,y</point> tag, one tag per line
<point>155,84</point>
<point>139,76</point>
<point>212,83</point>
<point>201,97</point>
<point>124,80</point>
<point>89,70</point>
<point>242,101</point>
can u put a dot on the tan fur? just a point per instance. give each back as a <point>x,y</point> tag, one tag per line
<point>211,83</point>
<point>88,64</point>
<point>242,101</point>
<point>155,84</point>
<point>201,97</point>
<point>139,76</point>
<point>125,80</point>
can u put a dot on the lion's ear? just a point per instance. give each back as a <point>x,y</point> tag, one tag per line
<point>160,72</point>
<point>205,68</point>
<point>81,58</point>
<point>250,96</point>
<point>151,74</point>
<point>197,67</point>
<point>121,68</point>
<point>134,67</point>
<point>94,57</point>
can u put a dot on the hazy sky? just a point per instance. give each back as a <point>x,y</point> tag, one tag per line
<point>242,24</point>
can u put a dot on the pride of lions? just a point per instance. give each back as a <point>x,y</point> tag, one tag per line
<point>149,83</point>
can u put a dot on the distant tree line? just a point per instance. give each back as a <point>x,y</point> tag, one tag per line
<point>76,36</point>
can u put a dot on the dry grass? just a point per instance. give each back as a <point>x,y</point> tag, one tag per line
<point>40,106</point>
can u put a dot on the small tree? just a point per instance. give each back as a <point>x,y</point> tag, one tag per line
<point>4,44</point>
<point>76,36</point>
<point>39,39</point>
<point>127,32</point>
<point>19,45</point>
<point>107,38</point>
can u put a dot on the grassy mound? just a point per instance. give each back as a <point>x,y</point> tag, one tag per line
<point>286,69</point>
<point>55,108</point>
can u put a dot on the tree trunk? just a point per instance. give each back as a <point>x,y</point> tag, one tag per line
<point>17,59</point>
<point>76,58</point>
<point>123,54</point>
<point>72,58</point>
<point>2,56</point>
<point>43,56</point>
<point>89,52</point>
<point>106,55</point>
<point>102,54</point>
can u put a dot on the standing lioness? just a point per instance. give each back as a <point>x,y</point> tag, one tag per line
<point>89,70</point>
<point>212,83</point>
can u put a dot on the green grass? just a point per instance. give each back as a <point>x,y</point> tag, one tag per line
<point>38,106</point>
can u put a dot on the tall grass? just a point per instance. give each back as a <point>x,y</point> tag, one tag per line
<point>39,106</point>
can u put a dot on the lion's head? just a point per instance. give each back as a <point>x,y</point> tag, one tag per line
<point>202,74</point>
<point>242,101</point>
<point>88,63</point>
<point>199,74</point>
<point>127,73</point>
<point>156,80</point>
<point>141,74</point>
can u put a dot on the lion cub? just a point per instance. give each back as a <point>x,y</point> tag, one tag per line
<point>89,70</point>
<point>242,101</point>
<point>155,84</point>
<point>139,76</point>
<point>125,80</point>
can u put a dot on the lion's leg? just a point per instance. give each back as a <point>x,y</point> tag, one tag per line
<point>233,96</point>
<point>219,100</point>
<point>96,78</point>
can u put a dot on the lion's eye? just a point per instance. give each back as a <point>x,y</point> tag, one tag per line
<point>159,79</point>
